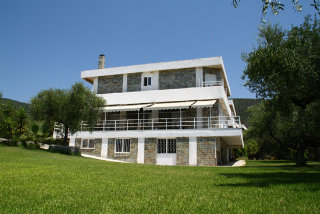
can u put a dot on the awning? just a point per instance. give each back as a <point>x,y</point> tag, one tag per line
<point>203,103</point>
<point>125,107</point>
<point>175,105</point>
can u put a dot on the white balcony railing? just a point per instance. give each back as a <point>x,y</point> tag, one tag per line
<point>216,122</point>
<point>212,83</point>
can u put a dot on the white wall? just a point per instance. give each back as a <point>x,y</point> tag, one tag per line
<point>170,95</point>
<point>231,136</point>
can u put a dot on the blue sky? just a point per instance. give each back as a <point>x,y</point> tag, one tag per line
<point>46,44</point>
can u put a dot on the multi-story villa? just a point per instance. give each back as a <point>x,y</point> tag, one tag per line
<point>169,113</point>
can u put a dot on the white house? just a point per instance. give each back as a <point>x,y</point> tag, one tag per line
<point>169,113</point>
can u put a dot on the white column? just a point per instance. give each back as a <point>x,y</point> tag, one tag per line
<point>192,151</point>
<point>104,148</point>
<point>95,85</point>
<point>72,141</point>
<point>124,83</point>
<point>140,158</point>
<point>199,76</point>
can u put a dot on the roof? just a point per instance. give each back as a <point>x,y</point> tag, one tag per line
<point>217,62</point>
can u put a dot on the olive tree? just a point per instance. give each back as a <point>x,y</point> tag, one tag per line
<point>284,70</point>
<point>68,107</point>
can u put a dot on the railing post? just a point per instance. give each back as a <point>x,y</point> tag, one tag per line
<point>152,124</point>
<point>127,125</point>
<point>194,123</point>
<point>208,122</point>
<point>180,123</point>
<point>166,123</point>
<point>104,125</point>
<point>115,125</point>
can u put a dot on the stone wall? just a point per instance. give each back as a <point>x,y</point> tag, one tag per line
<point>130,157</point>
<point>183,151</point>
<point>211,71</point>
<point>178,78</point>
<point>97,147</point>
<point>110,84</point>
<point>206,151</point>
<point>150,150</point>
<point>134,82</point>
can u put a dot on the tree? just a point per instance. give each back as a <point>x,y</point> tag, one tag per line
<point>21,121</point>
<point>68,107</point>
<point>276,5</point>
<point>284,70</point>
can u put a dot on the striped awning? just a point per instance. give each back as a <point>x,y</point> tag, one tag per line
<point>125,107</point>
<point>165,106</point>
<point>203,103</point>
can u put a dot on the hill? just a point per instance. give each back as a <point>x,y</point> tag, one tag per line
<point>14,103</point>
<point>241,105</point>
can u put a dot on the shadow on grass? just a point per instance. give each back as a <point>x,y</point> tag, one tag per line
<point>282,174</point>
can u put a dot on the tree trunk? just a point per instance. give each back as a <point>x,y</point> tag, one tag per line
<point>65,138</point>
<point>301,160</point>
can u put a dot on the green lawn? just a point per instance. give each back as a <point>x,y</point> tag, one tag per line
<point>33,181</point>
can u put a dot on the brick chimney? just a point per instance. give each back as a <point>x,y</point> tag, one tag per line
<point>101,61</point>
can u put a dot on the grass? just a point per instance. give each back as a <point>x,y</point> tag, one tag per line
<point>33,181</point>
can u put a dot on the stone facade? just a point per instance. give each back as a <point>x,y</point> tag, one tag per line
<point>110,84</point>
<point>183,151</point>
<point>134,82</point>
<point>206,151</point>
<point>131,157</point>
<point>179,78</point>
<point>97,147</point>
<point>150,151</point>
<point>211,71</point>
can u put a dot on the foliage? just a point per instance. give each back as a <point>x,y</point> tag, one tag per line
<point>68,107</point>
<point>250,151</point>
<point>13,122</point>
<point>242,105</point>
<point>276,6</point>
<point>41,182</point>
<point>284,71</point>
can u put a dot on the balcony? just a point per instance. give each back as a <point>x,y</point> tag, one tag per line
<point>212,83</point>
<point>192,123</point>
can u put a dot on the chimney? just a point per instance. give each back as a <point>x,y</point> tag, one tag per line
<point>101,61</point>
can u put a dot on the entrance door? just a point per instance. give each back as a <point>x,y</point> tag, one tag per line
<point>166,152</point>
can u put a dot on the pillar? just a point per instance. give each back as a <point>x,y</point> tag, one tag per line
<point>104,148</point>
<point>192,151</point>
<point>140,158</point>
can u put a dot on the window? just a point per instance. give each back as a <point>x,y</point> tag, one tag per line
<point>122,145</point>
<point>147,81</point>
<point>167,146</point>
<point>87,144</point>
